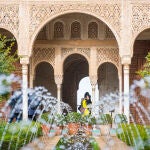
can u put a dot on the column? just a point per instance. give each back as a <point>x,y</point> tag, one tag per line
<point>126,91</point>
<point>58,81</point>
<point>93,80</point>
<point>24,61</point>
<point>120,93</point>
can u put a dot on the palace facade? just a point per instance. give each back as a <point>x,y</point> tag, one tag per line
<point>62,41</point>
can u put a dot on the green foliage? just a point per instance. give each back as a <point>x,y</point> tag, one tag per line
<point>18,134</point>
<point>60,120</point>
<point>135,135</point>
<point>104,119</point>
<point>73,117</point>
<point>146,69</point>
<point>90,120</point>
<point>47,118</point>
<point>120,118</point>
<point>7,59</point>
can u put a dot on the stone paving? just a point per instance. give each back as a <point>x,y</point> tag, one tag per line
<point>105,143</point>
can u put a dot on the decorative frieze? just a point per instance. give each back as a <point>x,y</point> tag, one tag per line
<point>9,18</point>
<point>66,51</point>
<point>140,17</point>
<point>43,54</point>
<point>108,55</point>
<point>84,51</point>
<point>109,12</point>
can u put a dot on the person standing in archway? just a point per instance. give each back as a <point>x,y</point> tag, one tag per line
<point>86,104</point>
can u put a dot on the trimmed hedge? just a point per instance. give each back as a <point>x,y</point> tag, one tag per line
<point>135,135</point>
<point>16,135</point>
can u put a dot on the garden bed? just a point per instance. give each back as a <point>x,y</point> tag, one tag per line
<point>134,135</point>
<point>16,135</point>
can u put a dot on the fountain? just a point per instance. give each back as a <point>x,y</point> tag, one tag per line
<point>43,112</point>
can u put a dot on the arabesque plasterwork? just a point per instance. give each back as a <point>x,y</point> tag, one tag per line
<point>140,18</point>
<point>108,12</point>
<point>9,18</point>
<point>43,54</point>
<point>108,55</point>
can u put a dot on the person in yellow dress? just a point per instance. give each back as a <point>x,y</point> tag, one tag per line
<point>86,104</point>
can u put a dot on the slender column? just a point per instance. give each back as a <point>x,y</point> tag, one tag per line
<point>93,79</point>
<point>58,80</point>
<point>93,93</point>
<point>126,91</point>
<point>24,61</point>
<point>120,94</point>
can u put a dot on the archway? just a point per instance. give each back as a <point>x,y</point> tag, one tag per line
<point>75,68</point>
<point>18,70</point>
<point>107,79</point>
<point>83,12</point>
<point>140,50</point>
<point>44,76</point>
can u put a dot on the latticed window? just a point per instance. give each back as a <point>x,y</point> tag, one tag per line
<point>109,34</point>
<point>93,30</point>
<point>75,30</point>
<point>58,30</point>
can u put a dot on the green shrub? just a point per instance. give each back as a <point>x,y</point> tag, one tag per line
<point>73,117</point>
<point>90,120</point>
<point>19,134</point>
<point>120,118</point>
<point>104,119</point>
<point>134,135</point>
<point>47,118</point>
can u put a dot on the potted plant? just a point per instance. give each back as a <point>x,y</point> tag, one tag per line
<point>87,123</point>
<point>46,122</point>
<point>60,121</point>
<point>120,118</point>
<point>73,120</point>
<point>104,122</point>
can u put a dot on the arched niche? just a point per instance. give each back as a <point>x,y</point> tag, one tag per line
<point>75,67</point>
<point>44,76</point>
<point>108,80</point>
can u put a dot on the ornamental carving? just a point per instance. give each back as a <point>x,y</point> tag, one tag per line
<point>108,55</point>
<point>140,17</point>
<point>109,11</point>
<point>9,18</point>
<point>66,51</point>
<point>84,51</point>
<point>43,54</point>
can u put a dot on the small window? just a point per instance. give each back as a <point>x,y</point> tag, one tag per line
<point>93,30</point>
<point>58,30</point>
<point>75,30</point>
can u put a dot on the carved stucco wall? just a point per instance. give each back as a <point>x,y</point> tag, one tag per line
<point>41,54</point>
<point>140,16</point>
<point>108,12</point>
<point>9,18</point>
<point>65,52</point>
<point>109,54</point>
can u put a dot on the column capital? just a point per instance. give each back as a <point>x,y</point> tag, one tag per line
<point>58,79</point>
<point>126,59</point>
<point>24,60</point>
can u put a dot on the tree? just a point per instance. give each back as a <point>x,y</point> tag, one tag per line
<point>146,68</point>
<point>7,59</point>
